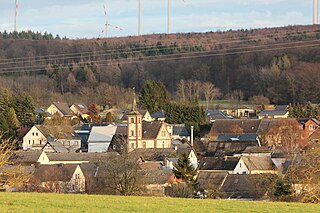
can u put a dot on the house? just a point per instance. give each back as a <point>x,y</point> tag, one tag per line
<point>213,115</point>
<point>239,165</point>
<point>239,111</point>
<point>40,136</point>
<point>100,138</point>
<point>219,164</point>
<point>80,110</point>
<point>25,158</point>
<point>83,130</point>
<point>179,150</point>
<point>255,165</point>
<point>73,158</point>
<point>60,178</point>
<point>61,109</point>
<point>308,125</point>
<point>158,116</point>
<point>153,154</point>
<point>36,138</point>
<point>212,182</point>
<point>154,178</point>
<point>178,132</point>
<point>246,187</point>
<point>278,112</point>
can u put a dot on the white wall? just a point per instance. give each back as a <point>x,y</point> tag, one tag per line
<point>98,146</point>
<point>241,168</point>
<point>33,137</point>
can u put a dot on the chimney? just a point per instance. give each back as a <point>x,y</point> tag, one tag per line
<point>165,163</point>
<point>315,11</point>
<point>192,136</point>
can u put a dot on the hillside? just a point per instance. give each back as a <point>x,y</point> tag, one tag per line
<point>24,202</point>
<point>279,63</point>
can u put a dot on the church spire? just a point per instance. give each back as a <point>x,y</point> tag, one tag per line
<point>134,103</point>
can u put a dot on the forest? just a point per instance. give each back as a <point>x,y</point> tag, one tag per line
<point>281,64</point>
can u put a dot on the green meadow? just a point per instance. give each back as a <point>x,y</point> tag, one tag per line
<point>34,202</point>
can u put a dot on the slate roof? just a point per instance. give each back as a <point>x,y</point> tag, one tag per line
<point>159,114</point>
<point>44,130</point>
<point>82,108</point>
<point>258,163</point>
<point>256,149</point>
<point>237,137</point>
<point>26,157</point>
<point>56,147</point>
<point>64,108</point>
<point>60,172</point>
<point>248,126</point>
<point>180,129</point>
<point>222,148</point>
<point>246,186</point>
<point>272,112</point>
<point>211,180</point>
<point>84,156</point>
<point>216,114</point>
<point>218,163</point>
<point>152,154</point>
<point>150,130</point>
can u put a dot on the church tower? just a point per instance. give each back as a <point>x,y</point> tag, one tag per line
<point>134,122</point>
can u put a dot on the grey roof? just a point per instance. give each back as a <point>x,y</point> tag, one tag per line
<point>91,157</point>
<point>173,160</point>
<point>211,180</point>
<point>239,137</point>
<point>216,163</point>
<point>180,129</point>
<point>222,148</point>
<point>273,112</point>
<point>150,130</point>
<point>26,157</point>
<point>82,108</point>
<point>246,186</point>
<point>56,147</point>
<point>60,172</point>
<point>64,108</point>
<point>216,114</point>
<point>228,126</point>
<point>102,133</point>
<point>159,114</point>
<point>152,154</point>
<point>258,163</point>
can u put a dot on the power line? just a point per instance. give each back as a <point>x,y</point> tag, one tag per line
<point>143,48</point>
<point>157,58</point>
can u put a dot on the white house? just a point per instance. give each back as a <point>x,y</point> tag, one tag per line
<point>60,108</point>
<point>80,109</point>
<point>255,165</point>
<point>100,138</point>
<point>35,138</point>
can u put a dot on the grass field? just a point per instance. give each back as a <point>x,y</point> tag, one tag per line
<point>33,202</point>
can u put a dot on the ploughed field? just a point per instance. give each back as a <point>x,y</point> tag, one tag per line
<point>34,202</point>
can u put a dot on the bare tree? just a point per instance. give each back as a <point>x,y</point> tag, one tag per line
<point>122,175</point>
<point>181,91</point>
<point>210,92</point>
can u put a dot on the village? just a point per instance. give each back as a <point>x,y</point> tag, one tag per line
<point>243,155</point>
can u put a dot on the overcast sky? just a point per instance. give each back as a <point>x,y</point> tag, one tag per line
<point>85,18</point>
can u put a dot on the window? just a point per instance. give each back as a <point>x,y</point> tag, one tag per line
<point>139,120</point>
<point>33,134</point>
<point>132,133</point>
<point>40,142</point>
<point>36,134</point>
<point>32,141</point>
<point>163,133</point>
<point>75,143</point>
<point>240,165</point>
<point>132,145</point>
<point>163,143</point>
<point>311,127</point>
<point>144,144</point>
<point>270,136</point>
<point>29,141</point>
<point>244,172</point>
<point>315,140</point>
<point>131,120</point>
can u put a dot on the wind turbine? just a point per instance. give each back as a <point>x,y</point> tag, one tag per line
<point>16,15</point>
<point>140,18</point>
<point>107,24</point>
<point>315,11</point>
<point>169,15</point>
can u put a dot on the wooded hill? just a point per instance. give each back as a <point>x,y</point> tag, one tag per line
<point>282,64</point>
